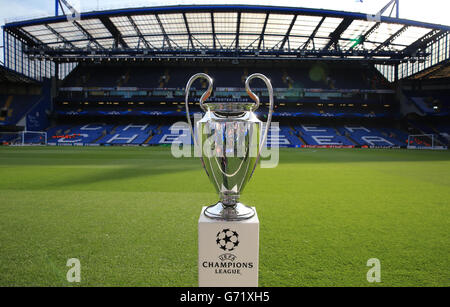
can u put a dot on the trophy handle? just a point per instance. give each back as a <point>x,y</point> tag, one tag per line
<point>202,99</point>
<point>255,98</point>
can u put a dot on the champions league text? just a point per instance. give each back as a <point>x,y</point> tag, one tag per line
<point>227,267</point>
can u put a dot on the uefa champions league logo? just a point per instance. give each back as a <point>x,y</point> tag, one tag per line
<point>227,239</point>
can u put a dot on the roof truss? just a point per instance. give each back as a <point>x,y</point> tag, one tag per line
<point>139,33</point>
<point>88,35</point>
<point>390,39</point>
<point>336,35</point>
<point>118,39</point>
<point>363,38</point>
<point>313,34</point>
<point>166,37</point>
<point>154,34</point>
<point>261,36</point>
<point>286,37</point>
<point>66,42</point>
<point>188,31</point>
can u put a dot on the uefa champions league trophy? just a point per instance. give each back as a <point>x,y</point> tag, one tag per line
<point>229,136</point>
<point>230,139</point>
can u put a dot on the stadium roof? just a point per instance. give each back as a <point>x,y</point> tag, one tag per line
<point>227,31</point>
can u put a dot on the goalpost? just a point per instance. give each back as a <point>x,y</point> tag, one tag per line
<point>34,137</point>
<point>424,141</point>
<point>22,138</point>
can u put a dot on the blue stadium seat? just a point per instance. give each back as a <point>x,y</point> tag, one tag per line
<point>369,136</point>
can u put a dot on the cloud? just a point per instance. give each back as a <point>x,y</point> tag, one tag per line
<point>13,10</point>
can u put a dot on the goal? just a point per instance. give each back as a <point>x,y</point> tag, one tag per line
<point>20,138</point>
<point>424,141</point>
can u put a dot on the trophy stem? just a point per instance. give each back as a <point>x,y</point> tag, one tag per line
<point>229,200</point>
<point>229,212</point>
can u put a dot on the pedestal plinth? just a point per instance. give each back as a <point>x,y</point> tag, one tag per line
<point>228,252</point>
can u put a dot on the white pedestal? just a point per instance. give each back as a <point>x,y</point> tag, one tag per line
<point>228,252</point>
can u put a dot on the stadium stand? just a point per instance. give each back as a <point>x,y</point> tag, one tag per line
<point>369,137</point>
<point>332,87</point>
<point>304,76</point>
<point>431,102</point>
<point>321,135</point>
<point>287,135</point>
<point>14,107</point>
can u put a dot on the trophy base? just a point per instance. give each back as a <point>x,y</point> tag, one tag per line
<point>237,212</point>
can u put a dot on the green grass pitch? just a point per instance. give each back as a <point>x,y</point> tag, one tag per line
<point>130,216</point>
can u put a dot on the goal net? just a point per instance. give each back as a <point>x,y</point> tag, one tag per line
<point>19,138</point>
<point>424,141</point>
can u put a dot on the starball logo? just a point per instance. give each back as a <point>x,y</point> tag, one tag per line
<point>227,240</point>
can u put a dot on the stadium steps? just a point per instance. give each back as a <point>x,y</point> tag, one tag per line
<point>295,133</point>
<point>113,130</point>
<point>417,127</point>
<point>337,131</point>
<point>9,101</point>
<point>1,107</point>
<point>351,140</point>
<point>299,136</point>
<point>346,136</point>
<point>124,81</point>
<point>127,76</point>
<point>158,129</point>
<point>100,137</point>
<point>148,139</point>
<point>7,107</point>
<point>439,135</point>
<point>301,139</point>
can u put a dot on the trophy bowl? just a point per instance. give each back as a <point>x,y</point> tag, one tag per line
<point>230,139</point>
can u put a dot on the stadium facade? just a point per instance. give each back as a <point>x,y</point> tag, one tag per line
<point>118,77</point>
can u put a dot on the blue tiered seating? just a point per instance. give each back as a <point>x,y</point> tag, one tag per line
<point>16,107</point>
<point>164,135</point>
<point>307,134</point>
<point>286,138</point>
<point>399,135</point>
<point>8,138</point>
<point>129,134</point>
<point>321,135</point>
<point>81,134</point>
<point>369,137</point>
<point>444,131</point>
<point>426,129</point>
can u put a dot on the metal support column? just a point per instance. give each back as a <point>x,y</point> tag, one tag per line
<point>4,48</point>
<point>397,6</point>
<point>396,72</point>
<point>15,55</point>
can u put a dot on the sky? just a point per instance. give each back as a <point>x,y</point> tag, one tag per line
<point>433,11</point>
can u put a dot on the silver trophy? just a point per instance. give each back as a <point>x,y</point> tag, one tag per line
<point>229,136</point>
